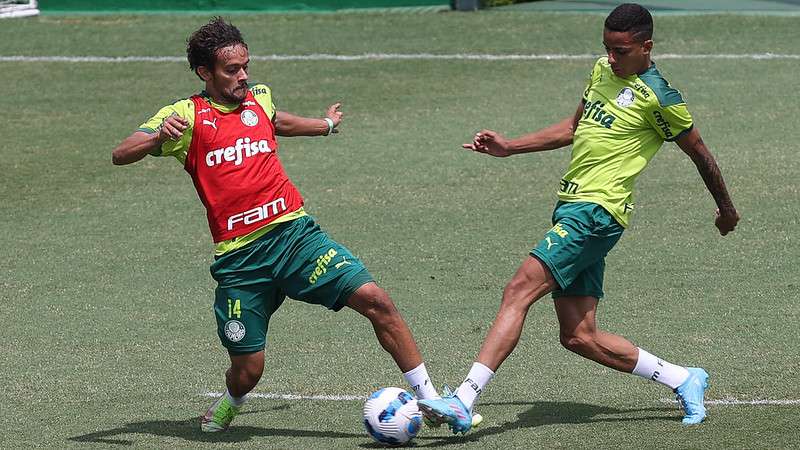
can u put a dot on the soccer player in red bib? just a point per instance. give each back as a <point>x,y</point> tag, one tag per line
<point>267,246</point>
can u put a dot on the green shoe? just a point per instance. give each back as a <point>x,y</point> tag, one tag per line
<point>219,416</point>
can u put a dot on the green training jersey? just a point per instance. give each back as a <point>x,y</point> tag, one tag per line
<point>624,123</point>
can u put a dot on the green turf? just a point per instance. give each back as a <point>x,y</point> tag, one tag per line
<point>105,286</point>
<point>664,6</point>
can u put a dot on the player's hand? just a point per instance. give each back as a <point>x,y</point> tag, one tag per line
<point>172,128</point>
<point>335,115</point>
<point>489,142</point>
<point>726,221</point>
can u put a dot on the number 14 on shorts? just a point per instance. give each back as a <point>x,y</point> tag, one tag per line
<point>234,308</point>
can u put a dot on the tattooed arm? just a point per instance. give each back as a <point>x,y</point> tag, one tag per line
<point>692,144</point>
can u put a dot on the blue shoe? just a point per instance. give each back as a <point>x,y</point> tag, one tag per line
<point>690,396</point>
<point>448,409</point>
<point>433,422</point>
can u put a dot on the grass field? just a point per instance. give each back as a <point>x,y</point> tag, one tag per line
<point>110,338</point>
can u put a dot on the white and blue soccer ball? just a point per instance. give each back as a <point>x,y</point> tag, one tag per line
<point>391,416</point>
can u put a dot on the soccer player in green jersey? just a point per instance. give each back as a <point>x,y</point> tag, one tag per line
<point>267,246</point>
<point>628,110</point>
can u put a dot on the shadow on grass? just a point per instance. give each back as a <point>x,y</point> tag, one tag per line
<point>538,414</point>
<point>189,429</point>
<point>552,413</point>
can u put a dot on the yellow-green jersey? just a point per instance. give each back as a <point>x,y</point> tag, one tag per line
<point>179,149</point>
<point>185,108</point>
<point>625,121</point>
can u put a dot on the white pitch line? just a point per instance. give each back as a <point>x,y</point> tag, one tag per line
<point>735,402</point>
<point>396,56</point>
<point>330,398</point>
<point>348,398</point>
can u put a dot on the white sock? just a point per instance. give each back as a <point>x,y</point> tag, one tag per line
<point>477,379</point>
<point>420,382</point>
<point>656,369</point>
<point>235,401</point>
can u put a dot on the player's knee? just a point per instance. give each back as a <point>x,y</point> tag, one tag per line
<point>517,294</point>
<point>376,305</point>
<point>532,281</point>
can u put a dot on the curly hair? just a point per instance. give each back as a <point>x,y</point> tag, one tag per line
<point>631,17</point>
<point>202,45</point>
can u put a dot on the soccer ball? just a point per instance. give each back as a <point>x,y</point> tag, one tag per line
<point>391,416</point>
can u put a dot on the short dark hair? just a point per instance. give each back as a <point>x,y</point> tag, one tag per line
<point>631,17</point>
<point>202,45</point>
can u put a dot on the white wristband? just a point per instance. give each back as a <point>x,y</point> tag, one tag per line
<point>329,121</point>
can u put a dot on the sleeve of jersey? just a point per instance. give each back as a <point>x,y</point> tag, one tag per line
<point>263,95</point>
<point>671,122</point>
<point>179,147</point>
<point>594,77</point>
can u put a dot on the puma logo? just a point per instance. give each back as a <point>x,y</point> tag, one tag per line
<point>213,123</point>
<point>549,242</point>
<point>344,262</point>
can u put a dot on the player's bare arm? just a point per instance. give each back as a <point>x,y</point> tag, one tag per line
<point>555,136</point>
<point>692,144</point>
<point>287,124</point>
<point>139,144</point>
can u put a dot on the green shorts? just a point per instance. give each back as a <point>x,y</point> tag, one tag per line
<point>575,248</point>
<point>297,260</point>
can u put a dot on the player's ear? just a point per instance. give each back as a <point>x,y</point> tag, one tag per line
<point>204,73</point>
<point>647,46</point>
